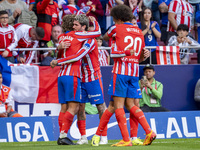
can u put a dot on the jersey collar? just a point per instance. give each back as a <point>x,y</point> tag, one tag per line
<point>128,23</point>
<point>67,32</point>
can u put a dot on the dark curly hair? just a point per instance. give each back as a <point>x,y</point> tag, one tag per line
<point>122,12</point>
<point>68,23</point>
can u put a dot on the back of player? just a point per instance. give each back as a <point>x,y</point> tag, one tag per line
<point>76,45</point>
<point>127,37</point>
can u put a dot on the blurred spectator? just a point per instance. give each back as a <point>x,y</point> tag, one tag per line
<point>70,8</point>
<point>50,55</point>
<point>28,37</point>
<point>8,37</point>
<point>148,3</point>
<point>14,9</point>
<point>48,16</point>
<point>96,10</point>
<point>156,11</point>
<point>136,7</point>
<point>102,19</point>
<point>152,91</point>
<point>183,40</point>
<point>163,7</point>
<point>30,4</point>
<point>104,57</point>
<point>197,94</point>
<point>6,100</point>
<point>180,12</point>
<point>197,18</point>
<point>151,31</point>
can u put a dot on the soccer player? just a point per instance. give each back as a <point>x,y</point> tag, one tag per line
<point>69,76</point>
<point>124,87</point>
<point>91,82</point>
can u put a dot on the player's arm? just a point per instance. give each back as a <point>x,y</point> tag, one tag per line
<point>87,47</point>
<point>82,36</point>
<point>110,33</point>
<point>144,55</point>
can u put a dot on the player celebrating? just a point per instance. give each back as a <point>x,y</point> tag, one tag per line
<point>69,76</point>
<point>124,83</point>
<point>91,82</point>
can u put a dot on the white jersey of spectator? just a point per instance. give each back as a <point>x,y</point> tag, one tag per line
<point>184,12</point>
<point>103,57</point>
<point>184,56</point>
<point>25,41</point>
<point>8,33</point>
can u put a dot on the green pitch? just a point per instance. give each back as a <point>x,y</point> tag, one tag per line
<point>166,144</point>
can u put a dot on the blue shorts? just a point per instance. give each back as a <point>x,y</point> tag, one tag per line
<point>92,92</point>
<point>124,86</point>
<point>69,89</point>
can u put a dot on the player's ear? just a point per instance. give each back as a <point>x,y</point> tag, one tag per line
<point>84,27</point>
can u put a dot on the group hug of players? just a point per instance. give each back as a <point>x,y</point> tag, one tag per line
<point>80,79</point>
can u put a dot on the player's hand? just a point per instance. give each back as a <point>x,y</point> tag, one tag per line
<point>53,63</point>
<point>132,52</point>
<point>64,44</point>
<point>146,53</point>
<point>5,53</point>
<point>91,18</point>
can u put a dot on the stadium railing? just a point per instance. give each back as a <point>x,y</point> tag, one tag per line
<point>105,48</point>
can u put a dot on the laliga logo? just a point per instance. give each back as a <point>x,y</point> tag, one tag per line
<point>22,134</point>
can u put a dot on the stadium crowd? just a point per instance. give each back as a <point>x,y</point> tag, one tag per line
<point>158,20</point>
<point>49,23</point>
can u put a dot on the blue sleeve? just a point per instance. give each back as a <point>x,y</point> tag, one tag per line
<point>139,25</point>
<point>77,7</point>
<point>159,2</point>
<point>197,16</point>
<point>157,27</point>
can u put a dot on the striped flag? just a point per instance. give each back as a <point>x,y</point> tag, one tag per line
<point>111,3</point>
<point>167,55</point>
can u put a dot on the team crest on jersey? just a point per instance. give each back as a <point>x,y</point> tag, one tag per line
<point>150,32</point>
<point>9,36</point>
<point>5,89</point>
<point>87,45</point>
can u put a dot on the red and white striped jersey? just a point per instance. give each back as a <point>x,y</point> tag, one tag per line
<point>126,37</point>
<point>71,57</point>
<point>8,38</point>
<point>184,12</point>
<point>90,63</point>
<point>103,57</point>
<point>25,41</point>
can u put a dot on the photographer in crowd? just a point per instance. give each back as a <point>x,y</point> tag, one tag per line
<point>152,91</point>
